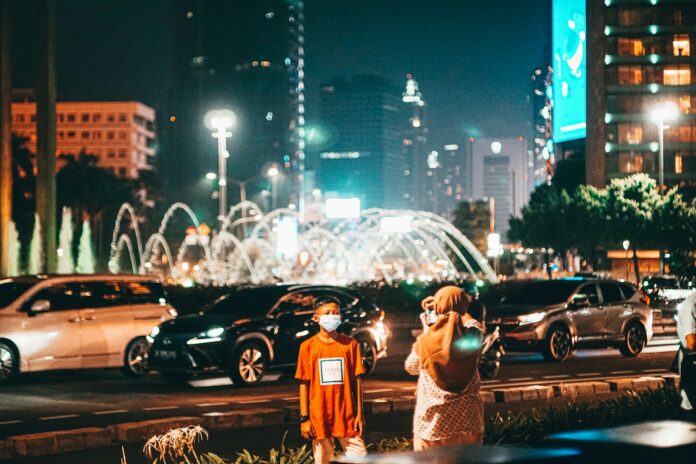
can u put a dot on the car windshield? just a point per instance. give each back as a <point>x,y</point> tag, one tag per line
<point>10,291</point>
<point>246,301</point>
<point>543,293</point>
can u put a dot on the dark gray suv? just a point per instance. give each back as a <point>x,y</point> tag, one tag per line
<point>554,316</point>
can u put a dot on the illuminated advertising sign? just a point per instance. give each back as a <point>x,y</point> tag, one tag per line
<point>342,208</point>
<point>569,69</point>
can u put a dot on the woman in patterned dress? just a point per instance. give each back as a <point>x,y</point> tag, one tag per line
<point>448,411</point>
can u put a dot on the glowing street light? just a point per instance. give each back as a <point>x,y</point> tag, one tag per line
<point>219,121</point>
<point>211,176</point>
<point>273,172</point>
<point>666,112</point>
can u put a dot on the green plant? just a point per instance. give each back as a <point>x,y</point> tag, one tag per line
<point>391,445</point>
<point>284,455</point>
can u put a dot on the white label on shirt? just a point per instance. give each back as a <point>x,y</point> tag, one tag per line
<point>331,371</point>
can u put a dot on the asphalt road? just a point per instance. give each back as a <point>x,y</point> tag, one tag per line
<point>65,400</point>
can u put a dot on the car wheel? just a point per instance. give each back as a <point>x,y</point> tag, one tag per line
<point>9,363</point>
<point>135,359</point>
<point>175,378</point>
<point>558,345</point>
<point>635,340</point>
<point>249,363</point>
<point>369,355</point>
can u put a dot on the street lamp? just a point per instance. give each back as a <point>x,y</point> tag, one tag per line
<point>273,173</point>
<point>626,244</point>
<point>665,112</point>
<point>219,121</point>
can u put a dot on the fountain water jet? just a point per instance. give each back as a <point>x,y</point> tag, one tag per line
<point>339,252</point>
<point>85,254</point>
<point>35,249</point>
<point>13,251</point>
<point>66,264</point>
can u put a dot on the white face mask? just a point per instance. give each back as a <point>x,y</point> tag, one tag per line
<point>330,322</point>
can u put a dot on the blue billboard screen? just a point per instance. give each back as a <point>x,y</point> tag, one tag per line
<point>569,69</point>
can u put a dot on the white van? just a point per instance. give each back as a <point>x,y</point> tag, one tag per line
<point>78,322</point>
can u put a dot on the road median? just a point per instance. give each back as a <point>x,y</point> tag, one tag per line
<point>55,442</point>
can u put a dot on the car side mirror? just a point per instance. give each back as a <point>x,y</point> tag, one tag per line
<point>580,302</point>
<point>40,306</point>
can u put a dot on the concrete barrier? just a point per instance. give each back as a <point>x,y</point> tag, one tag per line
<point>380,406</point>
<point>141,431</point>
<point>572,390</point>
<point>246,418</point>
<point>636,384</point>
<point>38,444</point>
<point>529,393</point>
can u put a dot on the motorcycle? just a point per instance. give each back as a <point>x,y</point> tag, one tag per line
<point>491,352</point>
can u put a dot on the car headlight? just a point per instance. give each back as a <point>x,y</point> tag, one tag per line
<point>212,335</point>
<point>530,318</point>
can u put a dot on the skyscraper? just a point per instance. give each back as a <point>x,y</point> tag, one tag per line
<point>499,171</point>
<point>363,155</point>
<point>414,145</point>
<point>248,57</point>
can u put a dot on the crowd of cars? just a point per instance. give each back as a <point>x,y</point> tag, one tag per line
<point>75,322</point>
<point>93,321</point>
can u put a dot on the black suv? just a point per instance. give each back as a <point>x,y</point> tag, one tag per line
<point>252,330</point>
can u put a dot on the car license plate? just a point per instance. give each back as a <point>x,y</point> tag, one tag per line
<point>165,355</point>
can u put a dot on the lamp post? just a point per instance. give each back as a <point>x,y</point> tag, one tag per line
<point>273,173</point>
<point>665,112</point>
<point>220,121</point>
<point>626,244</point>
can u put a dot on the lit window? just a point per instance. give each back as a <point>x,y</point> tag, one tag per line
<point>630,134</point>
<point>678,163</point>
<point>676,76</point>
<point>630,75</point>
<point>681,45</point>
<point>629,162</point>
<point>685,104</point>
<point>96,135</point>
<point>632,47</point>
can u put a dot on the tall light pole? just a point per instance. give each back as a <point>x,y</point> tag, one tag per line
<point>665,112</point>
<point>220,121</point>
<point>273,173</point>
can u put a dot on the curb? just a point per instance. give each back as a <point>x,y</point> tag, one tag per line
<point>38,444</point>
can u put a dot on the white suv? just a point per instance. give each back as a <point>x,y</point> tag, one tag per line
<point>78,322</point>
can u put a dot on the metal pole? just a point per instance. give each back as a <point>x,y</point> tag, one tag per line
<point>242,198</point>
<point>5,134</point>
<point>46,133</point>
<point>222,172</point>
<point>661,161</point>
<point>274,192</point>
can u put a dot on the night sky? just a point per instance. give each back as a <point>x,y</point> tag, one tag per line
<point>472,59</point>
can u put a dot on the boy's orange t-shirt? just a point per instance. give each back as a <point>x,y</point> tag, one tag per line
<point>331,370</point>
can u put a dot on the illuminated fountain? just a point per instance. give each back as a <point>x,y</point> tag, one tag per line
<point>253,247</point>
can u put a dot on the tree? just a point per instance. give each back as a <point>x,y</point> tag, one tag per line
<point>472,218</point>
<point>544,220</point>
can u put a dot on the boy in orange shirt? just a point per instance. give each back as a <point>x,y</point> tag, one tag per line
<point>329,368</point>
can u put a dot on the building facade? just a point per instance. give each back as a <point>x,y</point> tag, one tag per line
<point>640,55</point>
<point>247,57</point>
<point>499,172</point>
<point>363,156</point>
<point>414,147</point>
<point>120,134</point>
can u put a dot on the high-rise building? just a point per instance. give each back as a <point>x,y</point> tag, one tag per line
<point>414,146</point>
<point>363,156</point>
<point>543,156</point>
<point>120,134</point>
<point>499,171</point>
<point>615,62</point>
<point>247,57</point>
<point>451,177</point>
